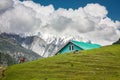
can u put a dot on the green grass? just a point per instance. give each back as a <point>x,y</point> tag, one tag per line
<point>96,64</point>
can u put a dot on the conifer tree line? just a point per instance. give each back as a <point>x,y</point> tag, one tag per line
<point>6,59</point>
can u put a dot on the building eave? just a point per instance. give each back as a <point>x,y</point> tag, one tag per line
<point>57,52</point>
<point>61,48</point>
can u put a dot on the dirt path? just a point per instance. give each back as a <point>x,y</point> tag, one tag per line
<point>2,70</point>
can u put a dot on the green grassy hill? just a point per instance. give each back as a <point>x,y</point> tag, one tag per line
<point>97,64</point>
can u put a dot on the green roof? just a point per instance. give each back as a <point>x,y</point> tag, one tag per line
<point>86,45</point>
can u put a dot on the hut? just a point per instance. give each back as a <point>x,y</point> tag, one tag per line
<point>72,46</point>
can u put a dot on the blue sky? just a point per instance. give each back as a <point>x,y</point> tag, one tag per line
<point>113,6</point>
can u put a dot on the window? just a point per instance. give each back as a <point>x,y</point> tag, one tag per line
<point>71,47</point>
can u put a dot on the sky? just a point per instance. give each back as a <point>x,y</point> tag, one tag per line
<point>113,6</point>
<point>97,21</point>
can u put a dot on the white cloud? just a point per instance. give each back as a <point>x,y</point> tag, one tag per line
<point>90,21</point>
<point>5,5</point>
<point>95,10</point>
<point>19,19</point>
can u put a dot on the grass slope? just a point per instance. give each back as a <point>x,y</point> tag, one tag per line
<point>97,64</point>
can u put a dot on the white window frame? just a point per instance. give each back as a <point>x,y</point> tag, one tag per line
<point>71,47</point>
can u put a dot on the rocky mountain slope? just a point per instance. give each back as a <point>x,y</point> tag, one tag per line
<point>14,50</point>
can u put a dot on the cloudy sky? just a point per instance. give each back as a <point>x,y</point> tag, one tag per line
<point>93,20</point>
<point>111,5</point>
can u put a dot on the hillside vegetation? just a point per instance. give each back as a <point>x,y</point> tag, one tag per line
<point>117,42</point>
<point>6,59</point>
<point>96,64</point>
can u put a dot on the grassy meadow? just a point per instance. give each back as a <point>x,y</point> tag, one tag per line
<point>96,64</point>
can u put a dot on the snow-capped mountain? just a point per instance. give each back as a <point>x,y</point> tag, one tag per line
<point>47,45</point>
<point>37,44</point>
<point>51,43</point>
<point>43,44</point>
